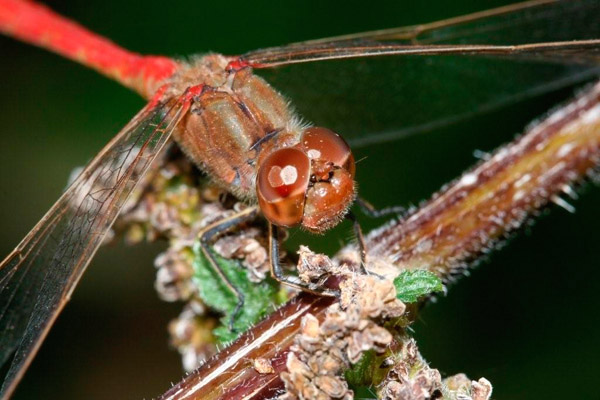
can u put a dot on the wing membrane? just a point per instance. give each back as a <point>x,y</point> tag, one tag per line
<point>38,277</point>
<point>566,30</point>
<point>435,74</point>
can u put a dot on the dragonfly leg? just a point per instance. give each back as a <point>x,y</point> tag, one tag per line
<point>370,210</point>
<point>362,248</point>
<point>208,234</point>
<point>290,280</point>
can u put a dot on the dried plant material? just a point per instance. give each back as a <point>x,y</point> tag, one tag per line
<point>173,278</point>
<point>481,390</point>
<point>248,246</point>
<point>166,204</point>
<point>375,297</point>
<point>191,334</point>
<point>380,266</point>
<point>323,350</point>
<point>460,387</point>
<point>263,366</point>
<point>410,378</point>
<point>313,266</point>
<point>175,205</point>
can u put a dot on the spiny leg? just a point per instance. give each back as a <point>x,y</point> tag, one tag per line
<point>290,280</point>
<point>370,210</point>
<point>362,248</point>
<point>207,235</point>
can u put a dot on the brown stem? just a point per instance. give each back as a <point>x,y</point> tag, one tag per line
<point>457,225</point>
<point>472,213</point>
<point>231,375</point>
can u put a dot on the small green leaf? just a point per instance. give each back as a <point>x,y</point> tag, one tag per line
<point>258,297</point>
<point>361,373</point>
<point>412,284</point>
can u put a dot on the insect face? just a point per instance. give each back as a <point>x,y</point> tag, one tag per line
<point>310,184</point>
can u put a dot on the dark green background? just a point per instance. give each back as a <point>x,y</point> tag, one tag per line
<point>526,319</point>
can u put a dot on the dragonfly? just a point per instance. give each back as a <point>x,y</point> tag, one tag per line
<point>237,127</point>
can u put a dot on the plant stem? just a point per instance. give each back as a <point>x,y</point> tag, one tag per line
<point>459,224</point>
<point>470,215</point>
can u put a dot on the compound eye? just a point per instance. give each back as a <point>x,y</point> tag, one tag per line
<point>326,145</point>
<point>281,186</point>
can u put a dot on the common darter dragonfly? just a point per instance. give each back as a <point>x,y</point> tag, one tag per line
<point>241,131</point>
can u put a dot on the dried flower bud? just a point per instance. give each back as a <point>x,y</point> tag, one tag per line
<point>191,334</point>
<point>481,390</point>
<point>263,366</point>
<point>332,386</point>
<point>310,326</point>
<point>173,276</point>
<point>323,350</point>
<point>312,266</point>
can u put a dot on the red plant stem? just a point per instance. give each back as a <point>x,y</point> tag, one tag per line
<point>457,225</point>
<point>38,25</point>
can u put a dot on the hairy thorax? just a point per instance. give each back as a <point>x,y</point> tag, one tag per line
<point>237,118</point>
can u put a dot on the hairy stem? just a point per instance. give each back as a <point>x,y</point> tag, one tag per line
<point>494,198</point>
<point>456,226</point>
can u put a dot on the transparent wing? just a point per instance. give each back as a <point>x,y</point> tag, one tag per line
<point>563,30</point>
<point>38,277</point>
<point>379,86</point>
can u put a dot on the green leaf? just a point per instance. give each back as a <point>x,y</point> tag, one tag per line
<point>361,373</point>
<point>412,284</point>
<point>258,297</point>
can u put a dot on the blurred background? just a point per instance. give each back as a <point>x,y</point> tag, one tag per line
<point>526,318</point>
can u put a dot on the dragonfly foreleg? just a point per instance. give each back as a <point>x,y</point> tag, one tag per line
<point>207,236</point>
<point>290,280</point>
<point>370,210</point>
<point>362,248</point>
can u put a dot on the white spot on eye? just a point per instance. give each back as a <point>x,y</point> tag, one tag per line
<point>468,179</point>
<point>314,154</point>
<point>289,175</point>
<point>275,176</point>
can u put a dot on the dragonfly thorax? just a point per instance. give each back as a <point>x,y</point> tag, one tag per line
<point>242,132</point>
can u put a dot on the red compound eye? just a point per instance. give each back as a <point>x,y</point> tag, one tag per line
<point>323,144</point>
<point>281,185</point>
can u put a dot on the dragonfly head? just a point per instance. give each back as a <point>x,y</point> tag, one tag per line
<point>310,184</point>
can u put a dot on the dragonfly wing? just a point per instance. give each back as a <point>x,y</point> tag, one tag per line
<point>38,277</point>
<point>352,87</point>
<point>566,30</point>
